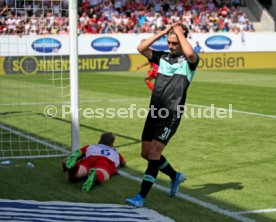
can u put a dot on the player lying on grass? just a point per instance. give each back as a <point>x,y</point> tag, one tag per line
<point>97,162</point>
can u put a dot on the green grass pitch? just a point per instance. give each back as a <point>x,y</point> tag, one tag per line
<point>229,162</point>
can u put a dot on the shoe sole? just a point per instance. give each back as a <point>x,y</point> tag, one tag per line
<point>133,205</point>
<point>70,163</point>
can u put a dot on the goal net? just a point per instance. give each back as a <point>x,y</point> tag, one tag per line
<point>34,78</point>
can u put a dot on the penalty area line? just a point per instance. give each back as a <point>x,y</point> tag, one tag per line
<point>271,210</point>
<point>234,111</point>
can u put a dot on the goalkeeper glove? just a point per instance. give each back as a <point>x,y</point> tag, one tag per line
<point>72,159</point>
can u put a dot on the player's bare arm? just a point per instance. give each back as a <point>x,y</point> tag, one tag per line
<point>185,45</point>
<point>144,46</point>
<point>142,65</point>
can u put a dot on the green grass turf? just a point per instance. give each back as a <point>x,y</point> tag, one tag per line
<point>229,162</point>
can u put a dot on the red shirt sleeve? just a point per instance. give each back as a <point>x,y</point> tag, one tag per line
<point>83,149</point>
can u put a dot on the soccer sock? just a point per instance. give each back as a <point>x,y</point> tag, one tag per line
<point>100,176</point>
<point>166,168</point>
<point>72,171</point>
<point>150,84</point>
<point>149,177</point>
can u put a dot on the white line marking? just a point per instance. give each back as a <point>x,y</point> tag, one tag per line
<point>235,80</point>
<point>234,111</point>
<point>186,197</point>
<point>257,211</point>
<point>115,100</point>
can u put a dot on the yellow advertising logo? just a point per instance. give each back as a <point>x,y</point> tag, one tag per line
<point>30,65</point>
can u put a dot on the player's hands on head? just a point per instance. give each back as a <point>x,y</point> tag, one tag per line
<point>178,30</point>
<point>167,29</point>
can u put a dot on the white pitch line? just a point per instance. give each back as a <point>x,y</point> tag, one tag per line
<point>271,210</point>
<point>115,100</point>
<point>234,111</point>
<point>235,80</point>
<point>194,200</point>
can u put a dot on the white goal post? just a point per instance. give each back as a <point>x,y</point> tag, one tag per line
<point>74,83</point>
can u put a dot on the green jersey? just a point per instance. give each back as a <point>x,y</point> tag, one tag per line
<point>175,74</point>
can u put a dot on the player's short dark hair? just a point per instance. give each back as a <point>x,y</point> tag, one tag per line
<point>184,27</point>
<point>107,138</point>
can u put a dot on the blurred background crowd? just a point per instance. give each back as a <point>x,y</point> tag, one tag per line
<point>33,17</point>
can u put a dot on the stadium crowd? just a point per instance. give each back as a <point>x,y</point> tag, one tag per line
<point>38,17</point>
